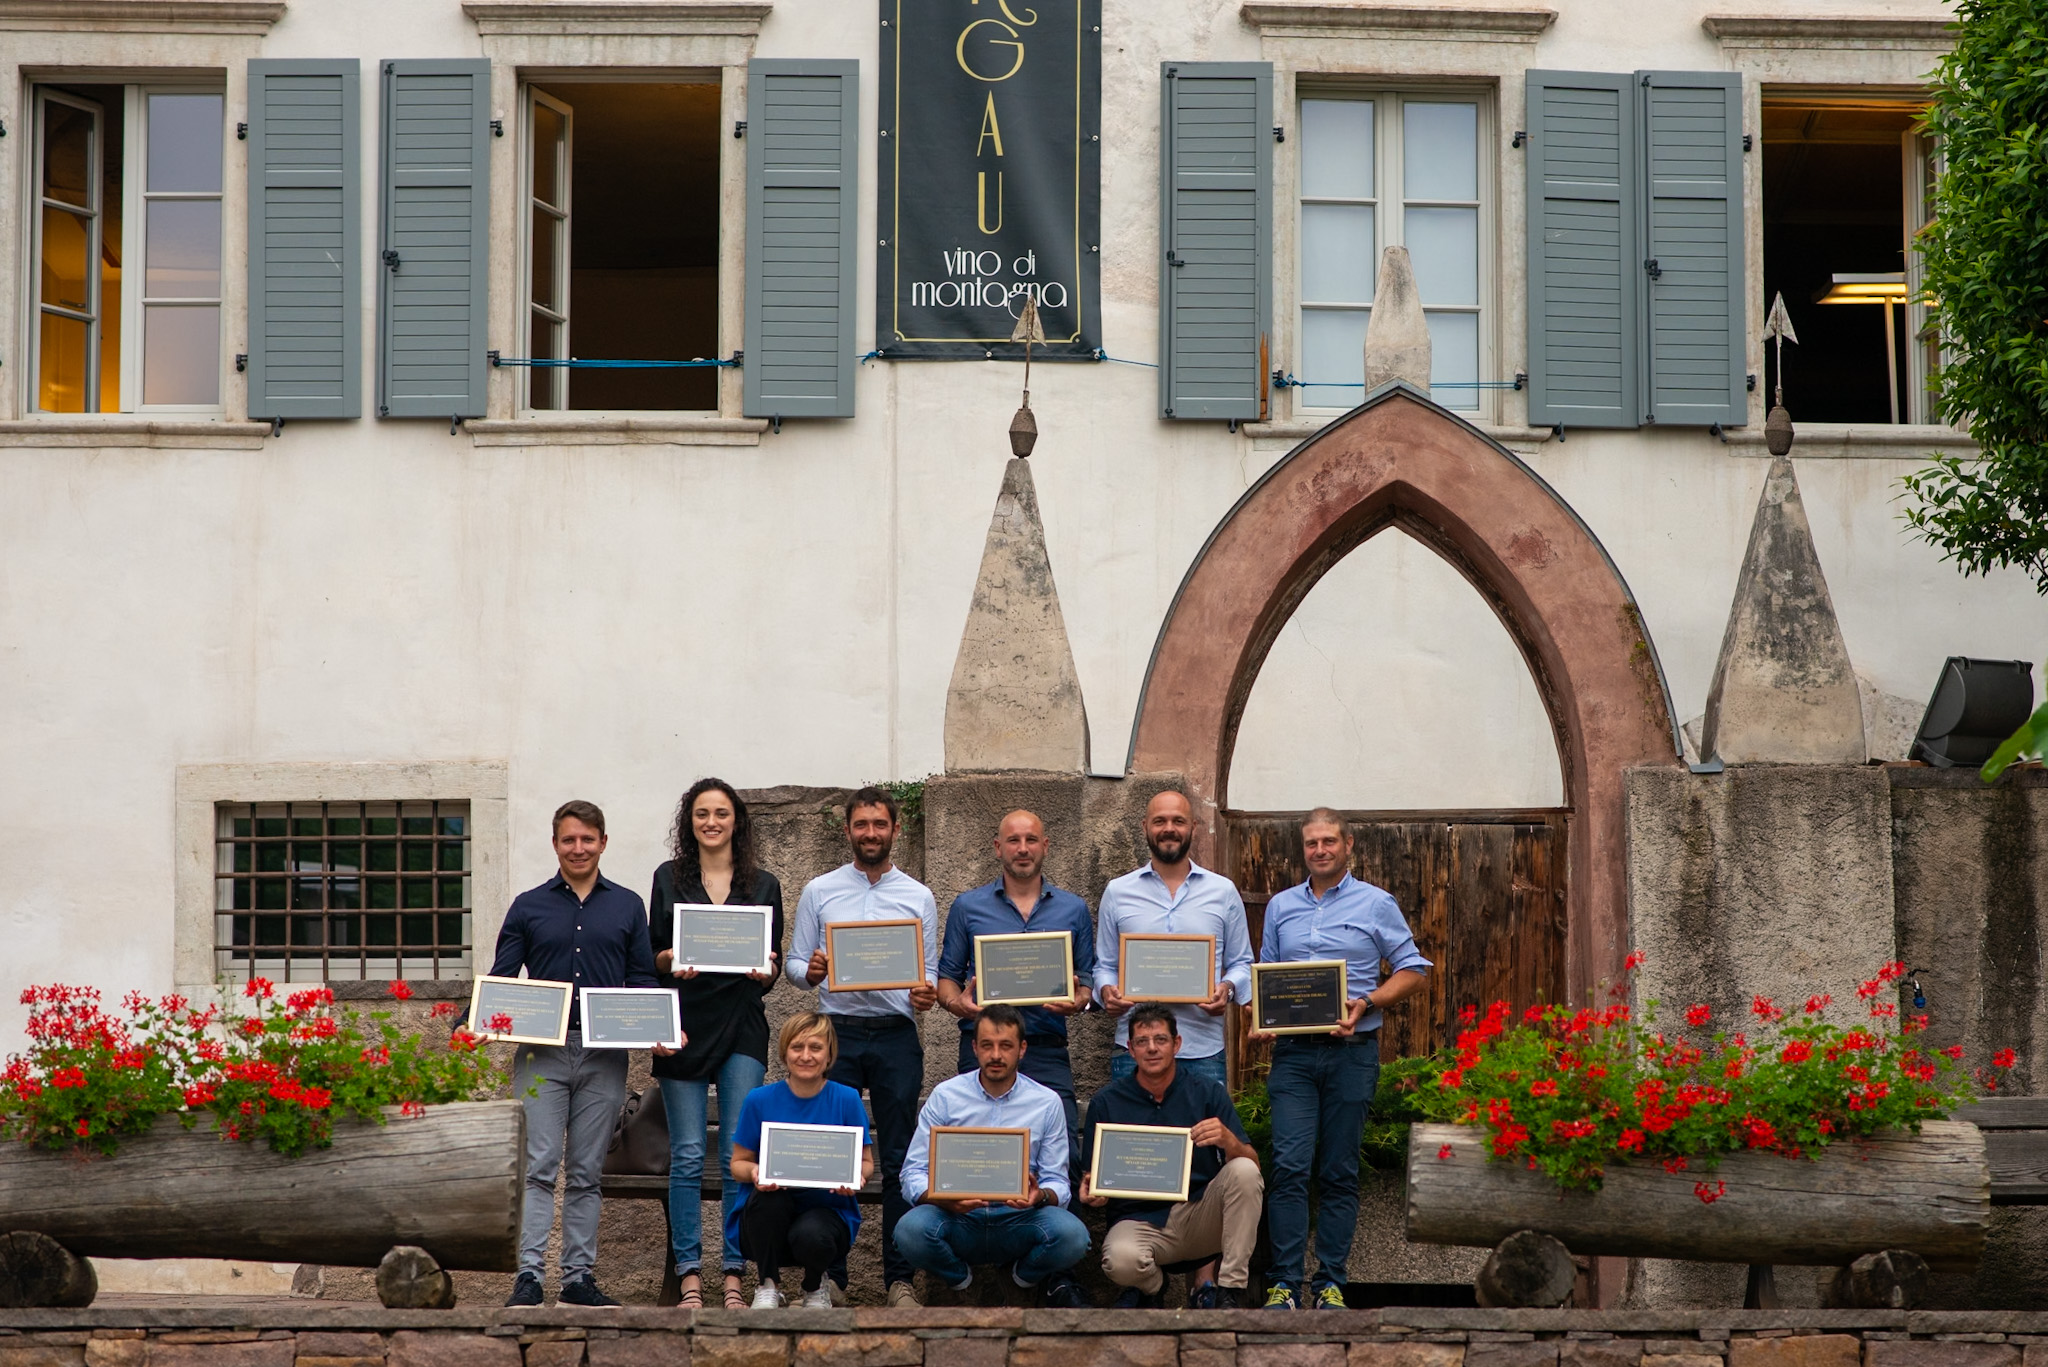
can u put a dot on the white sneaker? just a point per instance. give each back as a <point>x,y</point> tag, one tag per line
<point>821,1299</point>
<point>767,1296</point>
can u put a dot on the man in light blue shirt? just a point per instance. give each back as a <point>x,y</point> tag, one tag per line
<point>1173,895</point>
<point>1322,1085</point>
<point>947,1236</point>
<point>879,1048</point>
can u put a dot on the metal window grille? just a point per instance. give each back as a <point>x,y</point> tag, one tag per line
<point>322,891</point>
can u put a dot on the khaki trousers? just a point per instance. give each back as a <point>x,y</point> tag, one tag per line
<point>1225,1220</point>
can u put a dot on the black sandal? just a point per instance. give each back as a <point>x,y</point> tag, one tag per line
<point>735,1298</point>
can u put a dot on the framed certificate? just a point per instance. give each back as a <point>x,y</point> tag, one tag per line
<point>521,1010</point>
<point>990,1165</point>
<point>1142,1162</point>
<point>809,1155</point>
<point>874,956</point>
<point>1024,970</point>
<point>1166,968</point>
<point>1303,998</point>
<point>722,939</point>
<point>631,1018</point>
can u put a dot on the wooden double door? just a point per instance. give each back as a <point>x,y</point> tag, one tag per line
<point>1484,892</point>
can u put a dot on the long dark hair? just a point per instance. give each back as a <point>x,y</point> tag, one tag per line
<point>682,840</point>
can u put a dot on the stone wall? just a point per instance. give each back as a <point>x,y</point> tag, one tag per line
<point>1786,880</point>
<point>252,1334</point>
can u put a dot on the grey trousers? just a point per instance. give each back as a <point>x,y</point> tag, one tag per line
<point>577,1095</point>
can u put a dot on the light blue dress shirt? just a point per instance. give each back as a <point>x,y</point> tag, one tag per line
<point>1354,921</point>
<point>846,895</point>
<point>1027,1105</point>
<point>1207,904</point>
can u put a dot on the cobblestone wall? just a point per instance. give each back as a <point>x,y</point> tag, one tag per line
<point>280,1334</point>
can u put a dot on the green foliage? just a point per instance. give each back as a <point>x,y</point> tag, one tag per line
<point>1571,1091</point>
<point>91,1078</point>
<point>909,795</point>
<point>1986,259</point>
<point>2029,742</point>
<point>1384,1142</point>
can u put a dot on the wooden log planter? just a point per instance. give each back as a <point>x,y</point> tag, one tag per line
<point>1928,1194</point>
<point>448,1182</point>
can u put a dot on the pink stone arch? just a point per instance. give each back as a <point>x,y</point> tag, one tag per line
<point>1400,461</point>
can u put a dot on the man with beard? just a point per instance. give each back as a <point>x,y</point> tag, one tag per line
<point>1021,901</point>
<point>1173,895</point>
<point>1037,1239</point>
<point>879,1050</point>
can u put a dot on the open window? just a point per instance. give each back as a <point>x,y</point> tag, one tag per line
<point>127,173</point>
<point>1846,179</point>
<point>621,200</point>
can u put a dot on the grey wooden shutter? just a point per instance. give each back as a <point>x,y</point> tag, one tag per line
<point>305,240</point>
<point>1692,223</point>
<point>434,253</point>
<point>803,144</point>
<point>1216,231</point>
<point>1584,267</point>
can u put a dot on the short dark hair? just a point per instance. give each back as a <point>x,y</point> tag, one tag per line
<point>1002,1016</point>
<point>586,812</point>
<point>1155,1013</point>
<point>872,796</point>
<point>1324,816</point>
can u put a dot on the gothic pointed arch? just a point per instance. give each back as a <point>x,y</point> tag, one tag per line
<point>1399,460</point>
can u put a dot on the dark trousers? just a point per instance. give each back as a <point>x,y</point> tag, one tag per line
<point>1046,1063</point>
<point>775,1235</point>
<point>1321,1092</point>
<point>883,1056</point>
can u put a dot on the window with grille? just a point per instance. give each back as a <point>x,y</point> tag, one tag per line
<point>319,891</point>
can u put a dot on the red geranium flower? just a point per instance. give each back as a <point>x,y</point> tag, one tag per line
<point>1698,1014</point>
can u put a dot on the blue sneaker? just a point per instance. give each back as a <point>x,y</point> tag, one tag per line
<point>1329,1297</point>
<point>1280,1296</point>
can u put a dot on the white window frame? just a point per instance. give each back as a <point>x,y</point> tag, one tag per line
<point>134,244</point>
<point>564,212</point>
<point>523,230</point>
<point>1388,100</point>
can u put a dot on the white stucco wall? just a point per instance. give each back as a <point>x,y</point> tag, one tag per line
<point>612,620</point>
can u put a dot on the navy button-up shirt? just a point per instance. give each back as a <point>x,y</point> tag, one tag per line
<point>1189,1100</point>
<point>988,910</point>
<point>598,942</point>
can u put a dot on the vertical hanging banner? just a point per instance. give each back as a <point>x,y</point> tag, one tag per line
<point>991,156</point>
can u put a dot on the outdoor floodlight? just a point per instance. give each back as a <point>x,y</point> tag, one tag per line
<point>1976,705</point>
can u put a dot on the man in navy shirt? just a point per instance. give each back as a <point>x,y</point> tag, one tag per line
<point>1225,1189</point>
<point>579,928</point>
<point>1021,901</point>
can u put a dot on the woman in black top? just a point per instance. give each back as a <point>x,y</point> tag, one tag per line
<point>713,845</point>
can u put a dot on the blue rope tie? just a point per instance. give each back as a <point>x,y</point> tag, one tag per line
<point>1102,355</point>
<point>1287,381</point>
<point>578,363</point>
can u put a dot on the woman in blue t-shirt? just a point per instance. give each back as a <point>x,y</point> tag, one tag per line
<point>808,1226</point>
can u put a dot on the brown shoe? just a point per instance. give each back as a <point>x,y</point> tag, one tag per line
<point>902,1296</point>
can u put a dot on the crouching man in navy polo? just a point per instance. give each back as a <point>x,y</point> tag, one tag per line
<point>1034,1235</point>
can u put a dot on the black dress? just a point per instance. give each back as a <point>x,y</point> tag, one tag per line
<point>722,1012</point>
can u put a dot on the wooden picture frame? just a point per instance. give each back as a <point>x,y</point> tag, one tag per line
<point>959,1135</point>
<point>1123,966</point>
<point>1066,947</point>
<point>835,930</point>
<point>1187,1162</point>
<point>533,1001</point>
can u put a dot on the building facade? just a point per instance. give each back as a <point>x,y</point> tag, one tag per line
<point>310,615</point>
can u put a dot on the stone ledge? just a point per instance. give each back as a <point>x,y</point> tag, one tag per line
<point>603,430</point>
<point>1318,17</point>
<point>253,17</point>
<point>63,431</point>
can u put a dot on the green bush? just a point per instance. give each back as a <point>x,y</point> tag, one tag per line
<point>1384,1142</point>
<point>1986,260</point>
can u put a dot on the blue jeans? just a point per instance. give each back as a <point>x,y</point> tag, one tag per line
<point>1321,1095</point>
<point>1040,1241</point>
<point>684,1100</point>
<point>1211,1066</point>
